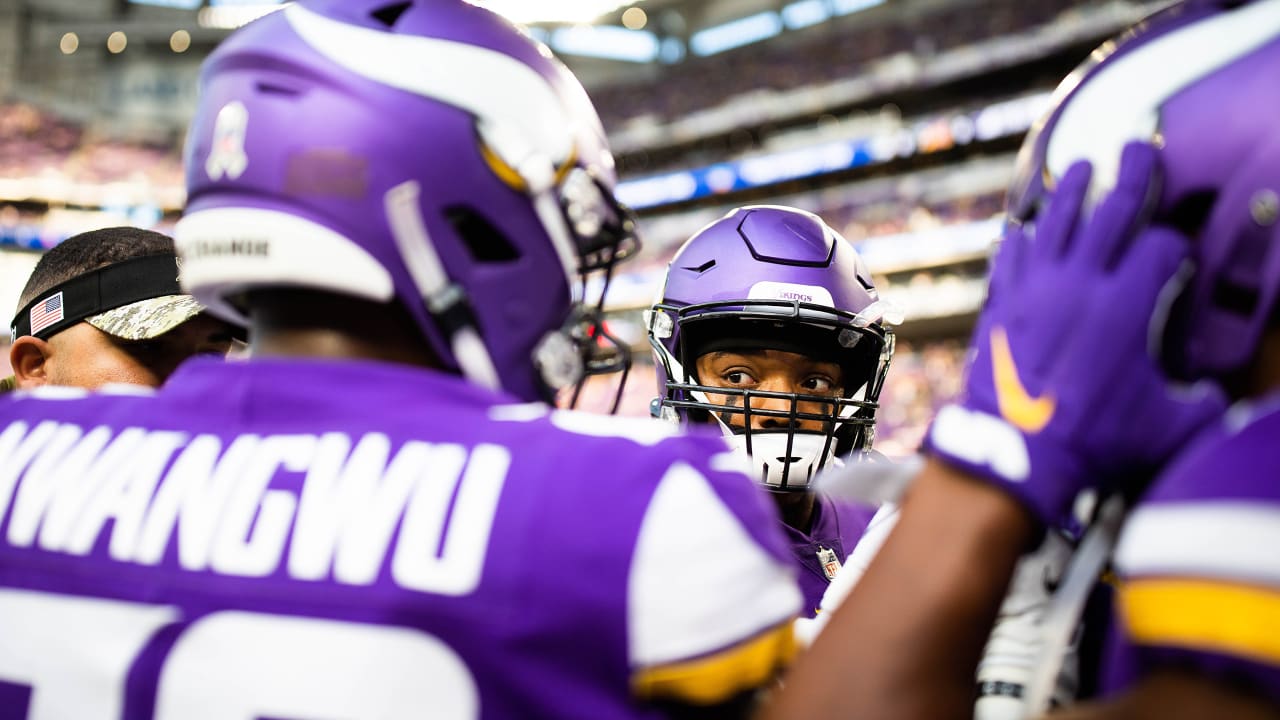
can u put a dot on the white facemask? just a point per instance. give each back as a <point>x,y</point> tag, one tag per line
<point>770,462</point>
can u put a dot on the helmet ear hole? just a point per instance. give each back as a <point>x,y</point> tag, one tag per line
<point>1234,297</point>
<point>1192,211</point>
<point>484,242</point>
<point>389,14</point>
<point>278,87</point>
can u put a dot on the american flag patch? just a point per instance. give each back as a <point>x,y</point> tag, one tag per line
<point>46,313</point>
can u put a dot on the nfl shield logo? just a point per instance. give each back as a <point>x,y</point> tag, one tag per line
<point>227,156</point>
<point>830,563</point>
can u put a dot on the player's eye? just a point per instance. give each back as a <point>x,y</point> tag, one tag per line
<point>737,377</point>
<point>819,385</point>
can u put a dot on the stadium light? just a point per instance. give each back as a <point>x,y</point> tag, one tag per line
<point>180,41</point>
<point>736,33</point>
<point>228,16</point>
<point>805,13</point>
<point>565,11</point>
<point>606,41</point>
<point>634,18</point>
<point>847,7</point>
<point>181,4</point>
<point>117,42</point>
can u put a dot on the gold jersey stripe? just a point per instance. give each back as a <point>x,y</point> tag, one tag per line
<point>1229,618</point>
<point>715,678</point>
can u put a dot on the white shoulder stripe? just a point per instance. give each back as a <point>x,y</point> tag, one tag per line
<point>1142,80</point>
<point>52,392</point>
<point>1228,539</point>
<point>494,87</point>
<point>699,583</point>
<point>126,389</point>
<point>642,431</point>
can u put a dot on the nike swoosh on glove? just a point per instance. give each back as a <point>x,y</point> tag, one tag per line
<point>1064,392</point>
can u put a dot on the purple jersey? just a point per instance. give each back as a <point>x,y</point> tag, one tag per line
<point>1199,560</point>
<point>319,539</point>
<point>818,555</point>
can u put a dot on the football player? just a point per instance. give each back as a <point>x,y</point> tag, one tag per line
<point>1127,265</point>
<point>377,514</point>
<point>104,307</point>
<point>769,328</point>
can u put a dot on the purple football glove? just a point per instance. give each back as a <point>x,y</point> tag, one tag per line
<point>1064,392</point>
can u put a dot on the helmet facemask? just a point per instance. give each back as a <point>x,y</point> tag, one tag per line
<point>789,436</point>
<point>592,232</point>
<point>605,234</point>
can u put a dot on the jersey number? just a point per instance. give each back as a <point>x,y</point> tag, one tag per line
<point>76,655</point>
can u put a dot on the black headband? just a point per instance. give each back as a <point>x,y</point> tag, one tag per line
<point>97,291</point>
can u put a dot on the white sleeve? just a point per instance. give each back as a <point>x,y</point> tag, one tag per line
<point>699,582</point>
<point>704,597</point>
<point>1009,661</point>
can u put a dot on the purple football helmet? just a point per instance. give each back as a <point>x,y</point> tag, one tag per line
<point>424,152</point>
<point>766,277</point>
<point>1197,80</point>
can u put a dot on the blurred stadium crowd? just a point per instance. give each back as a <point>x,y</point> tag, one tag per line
<point>929,100</point>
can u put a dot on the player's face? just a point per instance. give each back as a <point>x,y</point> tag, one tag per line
<point>84,356</point>
<point>771,371</point>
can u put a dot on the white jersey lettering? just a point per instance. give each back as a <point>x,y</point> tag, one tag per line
<point>75,485</point>
<point>194,490</point>
<point>17,449</point>
<point>350,506</point>
<point>252,547</point>
<point>123,496</point>
<point>429,507</point>
<point>448,560</point>
<point>66,460</point>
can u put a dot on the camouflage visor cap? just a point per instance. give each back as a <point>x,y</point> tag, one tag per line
<point>146,319</point>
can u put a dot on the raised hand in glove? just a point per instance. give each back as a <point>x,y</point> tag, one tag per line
<point>1065,392</point>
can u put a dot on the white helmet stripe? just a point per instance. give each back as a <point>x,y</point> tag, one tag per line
<point>495,87</point>
<point>1143,79</point>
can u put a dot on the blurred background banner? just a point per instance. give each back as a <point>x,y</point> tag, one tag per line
<point>895,120</point>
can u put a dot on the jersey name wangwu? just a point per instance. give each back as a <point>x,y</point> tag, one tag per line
<point>326,507</point>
